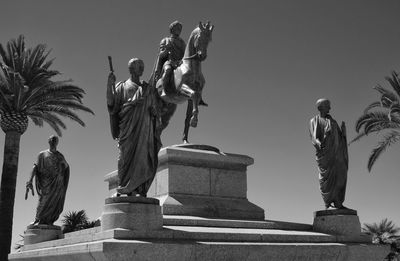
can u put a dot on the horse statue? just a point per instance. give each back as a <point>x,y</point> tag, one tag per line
<point>188,80</point>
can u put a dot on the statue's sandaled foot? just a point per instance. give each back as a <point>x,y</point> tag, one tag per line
<point>194,120</point>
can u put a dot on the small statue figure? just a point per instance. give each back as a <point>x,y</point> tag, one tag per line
<point>134,124</point>
<point>51,173</point>
<point>331,155</point>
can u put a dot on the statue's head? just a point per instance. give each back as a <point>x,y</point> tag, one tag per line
<point>53,141</point>
<point>136,66</point>
<point>175,28</point>
<point>323,105</point>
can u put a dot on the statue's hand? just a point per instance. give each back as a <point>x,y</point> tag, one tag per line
<point>29,186</point>
<point>111,79</point>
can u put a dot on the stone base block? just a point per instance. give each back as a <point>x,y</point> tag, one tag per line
<point>41,233</point>
<point>133,213</point>
<point>210,207</point>
<point>337,222</point>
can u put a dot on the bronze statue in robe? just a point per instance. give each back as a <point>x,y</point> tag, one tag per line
<point>330,143</point>
<point>134,125</point>
<point>51,173</point>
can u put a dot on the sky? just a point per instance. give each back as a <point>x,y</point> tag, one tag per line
<point>268,63</point>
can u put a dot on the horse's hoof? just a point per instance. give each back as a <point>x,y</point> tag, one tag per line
<point>193,122</point>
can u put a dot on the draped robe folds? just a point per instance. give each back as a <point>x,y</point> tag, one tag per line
<point>51,179</point>
<point>332,159</point>
<point>134,126</point>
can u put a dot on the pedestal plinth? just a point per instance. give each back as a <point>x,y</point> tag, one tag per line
<point>40,233</point>
<point>337,222</point>
<point>133,213</point>
<point>198,180</point>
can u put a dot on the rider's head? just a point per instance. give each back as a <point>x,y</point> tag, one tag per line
<point>136,66</point>
<point>175,28</point>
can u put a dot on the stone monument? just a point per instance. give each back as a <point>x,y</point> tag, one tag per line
<point>330,143</point>
<point>203,191</point>
<point>51,173</point>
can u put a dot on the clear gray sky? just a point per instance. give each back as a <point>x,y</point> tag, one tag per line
<point>267,65</point>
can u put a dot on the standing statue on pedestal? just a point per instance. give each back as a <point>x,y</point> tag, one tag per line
<point>134,124</point>
<point>331,152</point>
<point>51,173</point>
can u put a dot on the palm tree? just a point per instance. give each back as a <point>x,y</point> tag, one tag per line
<point>76,220</point>
<point>383,233</point>
<point>27,90</point>
<point>382,117</point>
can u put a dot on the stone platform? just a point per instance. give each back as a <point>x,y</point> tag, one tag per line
<point>201,212</point>
<point>197,238</point>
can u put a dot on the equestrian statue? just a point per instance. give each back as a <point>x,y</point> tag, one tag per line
<point>177,74</point>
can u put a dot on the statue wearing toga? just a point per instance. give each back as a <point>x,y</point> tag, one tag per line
<point>134,125</point>
<point>51,173</point>
<point>330,143</point>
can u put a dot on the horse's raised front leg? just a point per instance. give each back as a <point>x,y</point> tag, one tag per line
<point>187,121</point>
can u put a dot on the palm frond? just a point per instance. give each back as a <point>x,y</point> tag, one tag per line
<point>69,104</point>
<point>394,112</point>
<point>394,82</point>
<point>376,121</point>
<point>60,110</point>
<point>358,137</point>
<point>387,97</point>
<point>388,140</point>
<point>371,106</point>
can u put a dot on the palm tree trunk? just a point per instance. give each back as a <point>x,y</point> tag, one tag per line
<point>7,191</point>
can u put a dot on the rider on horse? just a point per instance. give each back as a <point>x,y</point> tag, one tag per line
<point>172,49</point>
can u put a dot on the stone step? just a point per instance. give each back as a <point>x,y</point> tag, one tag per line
<point>203,250</point>
<point>210,234</point>
<point>175,220</point>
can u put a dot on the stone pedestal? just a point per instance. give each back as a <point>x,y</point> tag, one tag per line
<point>40,233</point>
<point>199,180</point>
<point>133,213</point>
<point>337,222</point>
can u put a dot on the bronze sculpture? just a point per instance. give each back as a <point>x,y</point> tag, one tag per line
<point>134,124</point>
<point>331,154</point>
<point>187,81</point>
<point>51,173</point>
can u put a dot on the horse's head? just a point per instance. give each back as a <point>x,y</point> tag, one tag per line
<point>203,35</point>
